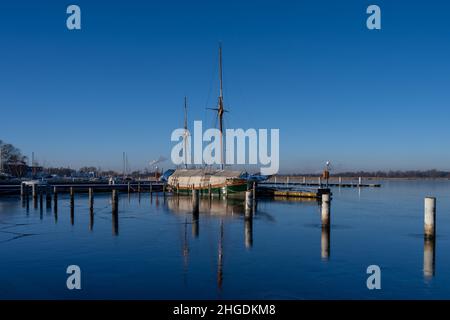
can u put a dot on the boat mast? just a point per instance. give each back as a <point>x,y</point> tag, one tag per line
<point>185,132</point>
<point>220,109</point>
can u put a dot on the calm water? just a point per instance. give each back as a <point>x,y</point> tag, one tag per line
<point>155,250</point>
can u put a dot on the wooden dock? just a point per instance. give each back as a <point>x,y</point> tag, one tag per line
<point>316,184</point>
<point>281,193</point>
<point>133,187</point>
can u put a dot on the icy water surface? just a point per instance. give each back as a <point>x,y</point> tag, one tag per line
<point>156,249</point>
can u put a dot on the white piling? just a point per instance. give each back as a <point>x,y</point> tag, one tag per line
<point>325,209</point>
<point>359,181</point>
<point>248,202</point>
<point>430,218</point>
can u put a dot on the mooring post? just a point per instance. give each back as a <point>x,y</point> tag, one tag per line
<point>248,202</point>
<point>287,180</point>
<point>304,180</point>
<point>33,190</point>
<point>48,197</point>
<point>139,186</point>
<point>151,187</point>
<point>91,198</point>
<point>325,209</point>
<point>22,192</point>
<point>320,182</point>
<point>195,200</point>
<point>115,212</point>
<point>115,201</point>
<point>254,191</point>
<point>430,218</point>
<point>55,194</point>
<point>72,194</point>
<point>340,181</point>
<point>359,181</point>
<point>55,199</point>
<point>209,190</point>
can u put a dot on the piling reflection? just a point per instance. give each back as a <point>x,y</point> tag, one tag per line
<point>248,231</point>
<point>91,219</point>
<point>220,258</point>
<point>195,224</point>
<point>185,246</point>
<point>325,243</point>
<point>230,208</point>
<point>429,257</point>
<point>206,205</point>
<point>72,212</point>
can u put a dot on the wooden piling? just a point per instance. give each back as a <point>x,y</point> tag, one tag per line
<point>115,212</point>
<point>48,198</point>
<point>195,200</point>
<point>55,196</point>
<point>114,201</point>
<point>430,218</point>
<point>34,190</point>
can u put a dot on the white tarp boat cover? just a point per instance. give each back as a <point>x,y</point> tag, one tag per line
<point>185,178</point>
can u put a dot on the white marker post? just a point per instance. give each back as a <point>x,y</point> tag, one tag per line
<point>325,209</point>
<point>430,218</point>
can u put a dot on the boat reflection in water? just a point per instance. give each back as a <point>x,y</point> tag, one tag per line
<point>213,207</point>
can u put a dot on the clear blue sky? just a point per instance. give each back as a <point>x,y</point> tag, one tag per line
<point>337,91</point>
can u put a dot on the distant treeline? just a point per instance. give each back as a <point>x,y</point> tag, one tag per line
<point>390,174</point>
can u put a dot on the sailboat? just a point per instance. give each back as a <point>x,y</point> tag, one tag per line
<point>208,180</point>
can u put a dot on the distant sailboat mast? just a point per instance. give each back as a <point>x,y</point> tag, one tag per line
<point>185,132</point>
<point>220,109</point>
